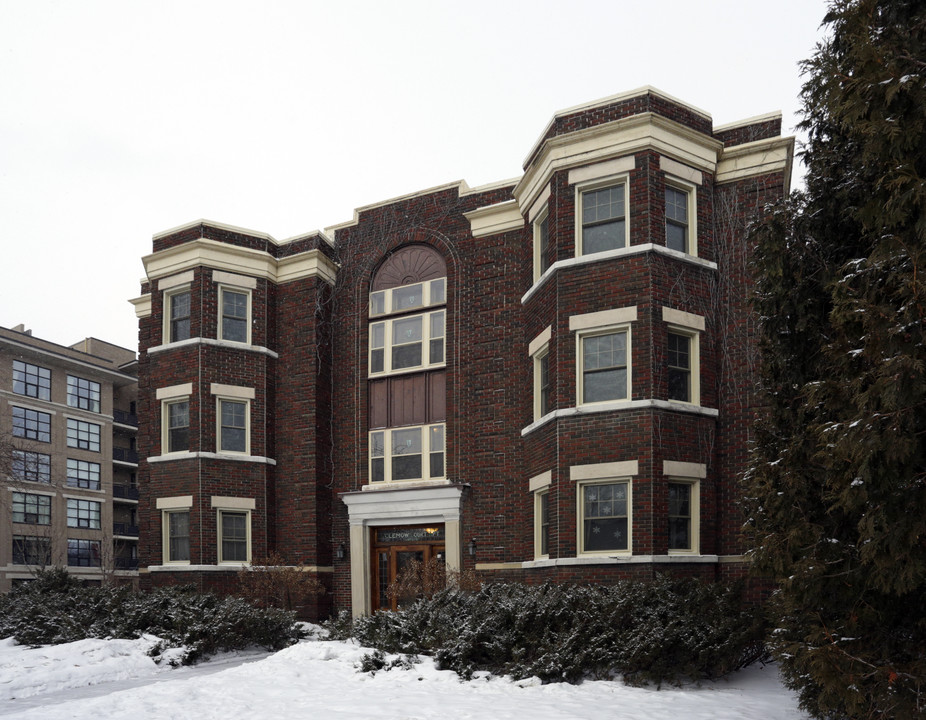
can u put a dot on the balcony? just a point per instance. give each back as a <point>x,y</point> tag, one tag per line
<point>125,418</point>
<point>125,529</point>
<point>125,492</point>
<point>126,563</point>
<point>125,455</point>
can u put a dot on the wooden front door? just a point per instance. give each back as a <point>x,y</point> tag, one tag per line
<point>393,550</point>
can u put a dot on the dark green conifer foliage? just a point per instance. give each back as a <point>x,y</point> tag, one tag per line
<point>837,491</point>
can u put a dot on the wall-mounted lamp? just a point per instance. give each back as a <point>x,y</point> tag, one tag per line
<point>472,548</point>
<point>341,552</point>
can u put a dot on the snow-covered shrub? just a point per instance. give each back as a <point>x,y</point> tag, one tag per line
<point>667,630</point>
<point>55,608</point>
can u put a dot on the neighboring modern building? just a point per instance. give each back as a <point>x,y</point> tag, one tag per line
<point>68,459</point>
<point>544,378</point>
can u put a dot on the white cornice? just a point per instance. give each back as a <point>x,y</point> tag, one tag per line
<point>754,120</point>
<point>615,139</point>
<point>142,305</point>
<point>639,92</point>
<point>493,219</point>
<point>757,158</point>
<point>232,258</point>
<point>242,231</point>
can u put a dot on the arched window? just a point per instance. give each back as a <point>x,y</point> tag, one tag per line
<point>406,362</point>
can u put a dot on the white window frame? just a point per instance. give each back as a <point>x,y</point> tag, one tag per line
<point>538,361</point>
<point>223,288</point>
<point>691,474</point>
<point>580,521</point>
<point>623,181</point>
<point>167,506</point>
<point>168,296</point>
<point>580,363</point>
<point>694,527</point>
<point>543,217</point>
<point>237,506</point>
<point>165,425</point>
<point>388,344</point>
<point>540,487</point>
<point>433,294</point>
<point>690,325</point>
<point>77,425</point>
<point>246,402</point>
<point>388,455</point>
<point>691,190</point>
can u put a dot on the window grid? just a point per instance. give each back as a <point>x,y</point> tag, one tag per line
<point>408,297</point>
<point>31,380</point>
<point>83,514</point>
<point>544,511</point>
<point>83,394</point>
<point>603,219</point>
<point>605,513</point>
<point>178,426</point>
<point>604,366</point>
<point>179,316</point>
<point>680,506</point>
<point>83,553</point>
<point>31,424</point>
<point>234,536</point>
<point>413,342</point>
<point>233,426</point>
<point>679,363</point>
<point>83,435</point>
<point>407,454</point>
<point>31,466</point>
<point>178,536</point>
<point>234,315</point>
<point>83,474</point>
<point>677,219</point>
<point>31,509</point>
<point>31,550</point>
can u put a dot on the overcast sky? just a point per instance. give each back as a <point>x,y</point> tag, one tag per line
<point>122,119</point>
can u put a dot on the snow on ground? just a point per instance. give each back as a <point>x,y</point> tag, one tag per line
<point>319,679</point>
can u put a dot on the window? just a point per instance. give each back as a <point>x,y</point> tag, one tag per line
<point>83,553</point>
<point>83,514</point>
<point>676,219</point>
<point>414,342</point>
<point>31,509</point>
<point>177,536</point>
<point>679,362</point>
<point>541,244</point>
<point>408,297</point>
<point>83,435</point>
<point>178,315</point>
<point>604,366</point>
<point>603,219</point>
<point>542,521</point>
<point>31,424</point>
<point>409,453</point>
<point>177,421</point>
<point>234,533</point>
<point>233,426</point>
<point>604,518</point>
<point>234,322</point>
<point>31,380</point>
<point>31,466</point>
<point>29,550</point>
<point>680,515</point>
<point>83,474</point>
<point>83,394</point>
<point>541,383</point>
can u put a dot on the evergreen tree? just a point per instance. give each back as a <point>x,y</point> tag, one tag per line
<point>837,490</point>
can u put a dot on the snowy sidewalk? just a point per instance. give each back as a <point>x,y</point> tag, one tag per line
<point>319,679</point>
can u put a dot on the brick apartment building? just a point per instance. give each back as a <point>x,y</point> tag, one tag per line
<point>544,378</point>
<point>67,459</point>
